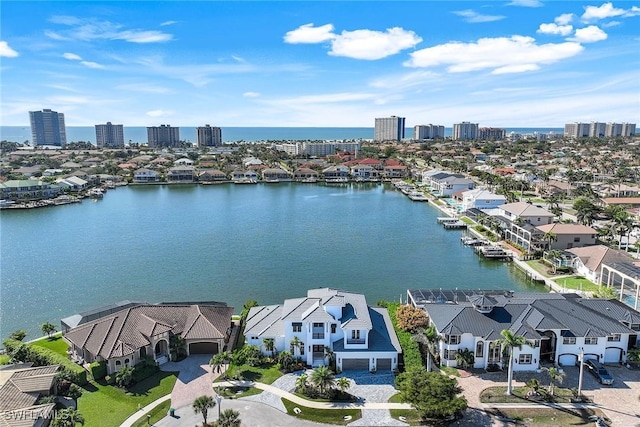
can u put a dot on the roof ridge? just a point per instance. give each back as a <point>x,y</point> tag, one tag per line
<point>119,332</point>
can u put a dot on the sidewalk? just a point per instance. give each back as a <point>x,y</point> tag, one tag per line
<point>144,411</point>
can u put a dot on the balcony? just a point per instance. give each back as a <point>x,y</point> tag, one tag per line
<point>356,341</point>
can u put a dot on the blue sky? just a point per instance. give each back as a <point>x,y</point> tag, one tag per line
<point>520,63</point>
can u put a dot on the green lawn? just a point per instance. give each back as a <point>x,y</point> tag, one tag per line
<point>578,283</point>
<point>498,395</point>
<point>327,416</point>
<point>4,359</point>
<point>547,417</point>
<point>539,266</point>
<point>55,343</point>
<point>108,406</point>
<point>467,220</point>
<point>266,375</point>
<point>157,413</point>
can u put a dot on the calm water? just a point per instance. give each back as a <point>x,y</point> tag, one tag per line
<point>233,134</point>
<point>228,243</point>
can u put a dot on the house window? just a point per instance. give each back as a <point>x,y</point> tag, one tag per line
<point>453,339</point>
<point>301,349</point>
<point>576,239</point>
<point>535,343</point>
<point>569,340</point>
<point>524,359</point>
<point>126,362</point>
<point>318,325</point>
<point>480,349</point>
<point>450,354</point>
<point>355,334</point>
<point>590,341</point>
<point>297,327</point>
<point>333,328</point>
<point>255,338</point>
<point>614,337</point>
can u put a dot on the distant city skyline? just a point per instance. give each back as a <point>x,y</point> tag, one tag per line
<point>514,63</point>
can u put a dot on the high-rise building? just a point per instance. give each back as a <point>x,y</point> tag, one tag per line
<point>47,128</point>
<point>576,130</point>
<point>389,129</point>
<point>209,136</point>
<point>465,131</point>
<point>163,136</point>
<point>597,130</point>
<point>109,136</point>
<point>628,129</point>
<point>428,132</point>
<point>613,130</point>
<point>491,134</point>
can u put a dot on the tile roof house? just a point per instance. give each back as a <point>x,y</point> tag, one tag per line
<point>20,388</point>
<point>589,260</point>
<point>361,337</point>
<point>520,220</point>
<point>567,236</point>
<point>127,336</point>
<point>558,326</point>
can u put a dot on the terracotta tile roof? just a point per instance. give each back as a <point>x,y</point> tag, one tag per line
<point>564,229</point>
<point>35,413</point>
<point>20,387</point>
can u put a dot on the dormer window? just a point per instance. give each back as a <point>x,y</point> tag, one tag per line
<point>452,339</point>
<point>355,334</point>
<point>613,337</point>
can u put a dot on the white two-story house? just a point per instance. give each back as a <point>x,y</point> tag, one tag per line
<point>558,327</point>
<point>360,337</point>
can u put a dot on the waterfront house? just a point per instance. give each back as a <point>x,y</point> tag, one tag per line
<point>242,176</point>
<point>567,236</point>
<point>588,260</point>
<point>145,175</point>
<point>364,172</point>
<point>557,326</point>
<point>127,336</point>
<point>181,174</point>
<point>629,202</point>
<point>360,337</point>
<point>520,221</point>
<point>394,171</point>
<point>334,173</point>
<point>72,183</point>
<point>481,198</point>
<point>305,175</point>
<point>212,175</point>
<point>27,189</point>
<point>21,386</point>
<point>275,175</point>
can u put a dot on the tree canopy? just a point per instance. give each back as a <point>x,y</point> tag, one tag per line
<point>432,394</point>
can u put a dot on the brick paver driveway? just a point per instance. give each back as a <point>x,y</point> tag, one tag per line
<point>194,379</point>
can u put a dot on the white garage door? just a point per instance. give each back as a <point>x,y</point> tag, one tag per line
<point>612,355</point>
<point>568,360</point>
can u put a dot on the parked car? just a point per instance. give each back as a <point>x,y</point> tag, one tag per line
<point>599,371</point>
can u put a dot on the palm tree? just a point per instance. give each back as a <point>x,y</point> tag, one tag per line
<point>294,343</point>
<point>465,358</point>
<point>343,384</point>
<point>229,418</point>
<point>510,341</point>
<point>549,237</point>
<point>48,328</point>
<point>285,359</point>
<point>270,345</point>
<point>202,405</point>
<point>68,417</point>
<point>429,338</point>
<point>301,383</point>
<point>177,347</point>
<point>220,360</point>
<point>554,376</point>
<point>322,377</point>
<point>329,355</point>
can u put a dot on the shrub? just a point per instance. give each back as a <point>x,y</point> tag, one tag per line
<point>98,370</point>
<point>246,353</point>
<point>144,369</point>
<point>410,350</point>
<point>410,318</point>
<point>18,335</point>
<point>124,377</point>
<point>109,380</point>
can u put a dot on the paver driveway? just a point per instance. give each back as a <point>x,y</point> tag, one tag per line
<point>194,379</point>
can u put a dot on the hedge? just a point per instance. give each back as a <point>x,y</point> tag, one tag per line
<point>410,350</point>
<point>98,370</point>
<point>41,356</point>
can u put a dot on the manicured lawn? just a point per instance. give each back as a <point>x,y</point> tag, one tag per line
<point>108,406</point>
<point>236,392</point>
<point>327,416</point>
<point>55,343</point>
<point>546,417</point>
<point>539,266</point>
<point>411,416</point>
<point>266,375</point>
<point>4,359</point>
<point>497,395</point>
<point>578,283</point>
<point>157,413</point>
<point>467,220</point>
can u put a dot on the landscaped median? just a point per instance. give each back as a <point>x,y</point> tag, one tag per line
<point>339,416</point>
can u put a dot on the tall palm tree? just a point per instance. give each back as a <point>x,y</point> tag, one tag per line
<point>220,360</point>
<point>322,377</point>
<point>294,343</point>
<point>229,418</point>
<point>510,341</point>
<point>202,405</point>
<point>68,417</point>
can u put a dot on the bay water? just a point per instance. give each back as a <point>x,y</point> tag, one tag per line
<point>228,243</point>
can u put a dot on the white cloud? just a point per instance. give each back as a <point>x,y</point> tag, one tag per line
<point>91,64</point>
<point>142,36</point>
<point>159,113</point>
<point>474,17</point>
<point>72,56</point>
<point>165,23</point>
<point>501,53</point>
<point>518,68</point>
<point>562,30</point>
<point>611,24</point>
<point>564,19</point>
<point>5,50</point>
<point>525,3</point>
<point>251,94</point>
<point>589,34</point>
<point>371,45</point>
<point>308,33</point>
<point>92,29</point>
<point>606,10</point>
<point>55,36</point>
<point>65,20</point>
<point>238,58</point>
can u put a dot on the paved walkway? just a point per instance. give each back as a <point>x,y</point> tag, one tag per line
<point>142,412</point>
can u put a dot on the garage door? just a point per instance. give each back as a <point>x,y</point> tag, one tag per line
<point>568,360</point>
<point>612,355</point>
<point>355,364</point>
<point>383,364</point>
<point>203,348</point>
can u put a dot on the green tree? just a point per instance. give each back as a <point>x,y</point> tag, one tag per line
<point>330,356</point>
<point>302,384</point>
<point>48,328</point>
<point>343,384</point>
<point>124,377</point>
<point>269,345</point>
<point>606,292</point>
<point>322,378</point>
<point>202,405</point>
<point>510,341</point>
<point>435,396</point>
<point>219,360</point>
<point>229,418</point>
<point>177,347</point>
<point>74,391</point>
<point>465,358</point>
<point>18,335</point>
<point>68,417</point>
<point>248,305</point>
<point>285,359</point>
<point>428,340</point>
<point>586,210</point>
<point>555,376</point>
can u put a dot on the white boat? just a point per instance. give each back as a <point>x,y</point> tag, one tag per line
<point>417,196</point>
<point>6,203</point>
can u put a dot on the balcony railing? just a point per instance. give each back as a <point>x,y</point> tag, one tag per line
<point>356,341</point>
<point>318,336</point>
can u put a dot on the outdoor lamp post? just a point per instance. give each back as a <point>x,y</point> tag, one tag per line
<point>218,400</point>
<point>581,358</point>
<point>148,419</point>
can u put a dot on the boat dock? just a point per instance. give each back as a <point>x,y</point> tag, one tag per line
<point>493,252</point>
<point>451,223</point>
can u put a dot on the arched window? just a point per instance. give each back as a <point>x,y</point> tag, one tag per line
<point>126,362</point>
